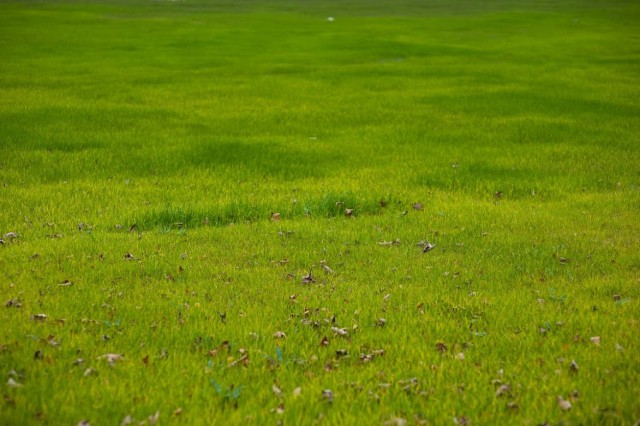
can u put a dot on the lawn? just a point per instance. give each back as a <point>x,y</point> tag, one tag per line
<point>219,212</point>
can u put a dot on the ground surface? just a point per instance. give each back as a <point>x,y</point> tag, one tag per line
<point>171,172</point>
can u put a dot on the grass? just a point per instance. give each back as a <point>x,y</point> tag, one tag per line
<point>146,146</point>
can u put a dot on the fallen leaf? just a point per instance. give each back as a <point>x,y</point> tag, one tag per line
<point>574,366</point>
<point>276,391</point>
<point>428,247</point>
<point>10,235</point>
<point>279,335</point>
<point>395,421</point>
<point>324,341</point>
<point>13,303</point>
<point>595,340</point>
<point>339,331</point>
<point>366,357</point>
<point>503,390</point>
<point>380,322</point>
<point>84,423</point>
<point>348,212</point>
<point>244,360</point>
<point>395,242</point>
<point>112,358</point>
<point>13,384</point>
<point>129,256</point>
<point>66,283</point>
<point>441,346</point>
<point>153,419</point>
<point>275,217</point>
<point>177,411</point>
<point>128,420</point>
<point>90,372</point>
<point>341,352</point>
<point>39,317</point>
<point>327,394</point>
<point>462,421</point>
<point>327,269</point>
<point>460,356</point>
<point>564,404</point>
<point>307,279</point>
<point>417,206</point>
<point>297,392</point>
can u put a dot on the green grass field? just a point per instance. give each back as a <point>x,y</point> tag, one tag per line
<point>171,172</point>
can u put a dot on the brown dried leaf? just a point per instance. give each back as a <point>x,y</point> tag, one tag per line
<point>595,340</point>
<point>280,335</point>
<point>275,217</point>
<point>39,317</point>
<point>324,341</point>
<point>348,212</point>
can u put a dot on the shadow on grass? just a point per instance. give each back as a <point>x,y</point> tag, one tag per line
<point>327,206</point>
